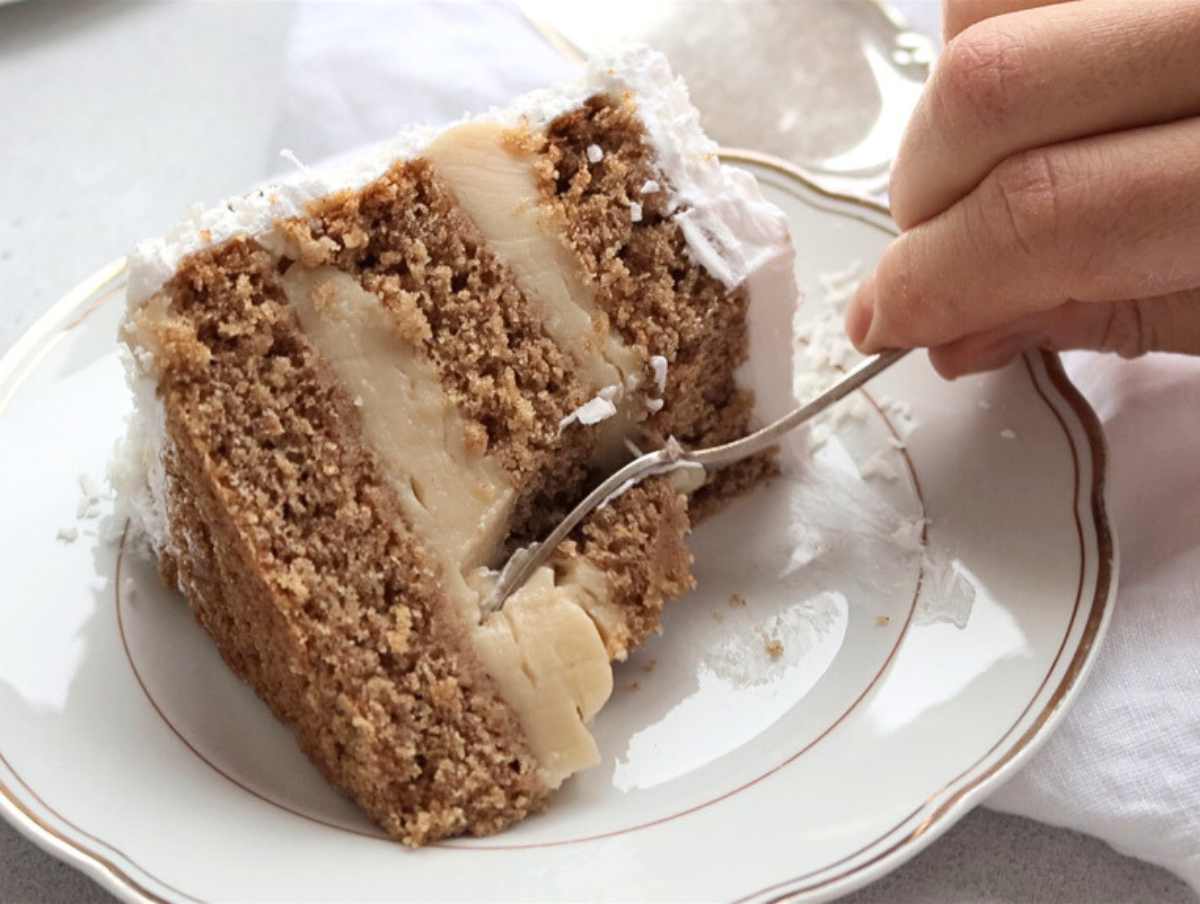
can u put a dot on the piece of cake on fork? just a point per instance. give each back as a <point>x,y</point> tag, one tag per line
<point>357,391</point>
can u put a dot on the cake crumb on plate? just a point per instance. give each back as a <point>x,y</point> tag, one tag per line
<point>774,649</point>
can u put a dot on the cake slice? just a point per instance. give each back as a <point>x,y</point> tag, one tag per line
<point>357,391</point>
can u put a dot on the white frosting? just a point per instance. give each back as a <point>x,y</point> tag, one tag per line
<point>137,472</point>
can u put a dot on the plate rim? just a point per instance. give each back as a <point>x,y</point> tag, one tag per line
<point>98,288</point>
<point>963,799</point>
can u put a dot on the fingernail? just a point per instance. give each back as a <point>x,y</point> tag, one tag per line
<point>860,313</point>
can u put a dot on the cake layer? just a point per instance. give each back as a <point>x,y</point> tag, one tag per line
<point>406,241</point>
<point>457,497</point>
<point>490,168</point>
<point>644,273</point>
<point>297,558</point>
<point>544,654</point>
<point>406,369</point>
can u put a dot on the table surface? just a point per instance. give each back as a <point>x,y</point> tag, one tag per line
<point>110,111</point>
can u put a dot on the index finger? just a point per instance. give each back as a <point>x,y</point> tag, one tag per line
<point>1030,79</point>
<point>1101,219</point>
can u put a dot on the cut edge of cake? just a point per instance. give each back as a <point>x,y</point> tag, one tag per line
<point>437,724</point>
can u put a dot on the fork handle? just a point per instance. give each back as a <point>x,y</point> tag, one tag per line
<point>764,438</point>
<point>524,562</point>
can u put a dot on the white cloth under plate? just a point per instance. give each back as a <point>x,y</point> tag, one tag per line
<point>1125,765</point>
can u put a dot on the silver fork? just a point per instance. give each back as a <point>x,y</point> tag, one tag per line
<point>673,457</point>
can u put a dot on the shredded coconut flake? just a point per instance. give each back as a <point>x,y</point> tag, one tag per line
<point>290,156</point>
<point>594,410</point>
<point>88,487</point>
<point>1008,434</point>
<point>654,405</point>
<point>879,465</point>
<point>635,211</point>
<point>68,534</point>
<point>907,535</point>
<point>650,187</point>
<point>836,280</point>
<point>595,153</point>
<point>659,365</point>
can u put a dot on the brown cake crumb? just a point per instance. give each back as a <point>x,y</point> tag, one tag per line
<point>774,649</point>
<point>295,557</point>
<point>657,299</point>
<point>406,240</point>
<point>638,542</point>
<point>883,620</point>
<point>736,601</point>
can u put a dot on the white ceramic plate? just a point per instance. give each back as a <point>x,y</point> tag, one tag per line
<point>730,774</point>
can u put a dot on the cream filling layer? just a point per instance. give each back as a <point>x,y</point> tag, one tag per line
<point>544,653</point>
<point>494,182</point>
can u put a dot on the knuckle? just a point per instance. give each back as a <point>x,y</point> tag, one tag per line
<point>1024,212</point>
<point>980,78</point>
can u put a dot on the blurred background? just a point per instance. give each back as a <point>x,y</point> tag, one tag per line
<point>116,116</point>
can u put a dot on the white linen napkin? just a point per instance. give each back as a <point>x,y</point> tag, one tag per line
<point>1125,765</point>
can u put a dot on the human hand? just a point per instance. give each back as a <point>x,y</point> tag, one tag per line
<point>1048,188</point>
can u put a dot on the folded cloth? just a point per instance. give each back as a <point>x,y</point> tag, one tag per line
<point>359,73</point>
<point>1125,764</point>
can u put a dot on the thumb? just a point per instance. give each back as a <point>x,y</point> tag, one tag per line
<point>1167,323</point>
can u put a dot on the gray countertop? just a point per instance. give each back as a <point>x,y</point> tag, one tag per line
<point>90,162</point>
<point>988,858</point>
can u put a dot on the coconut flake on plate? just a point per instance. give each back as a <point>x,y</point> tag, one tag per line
<point>879,465</point>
